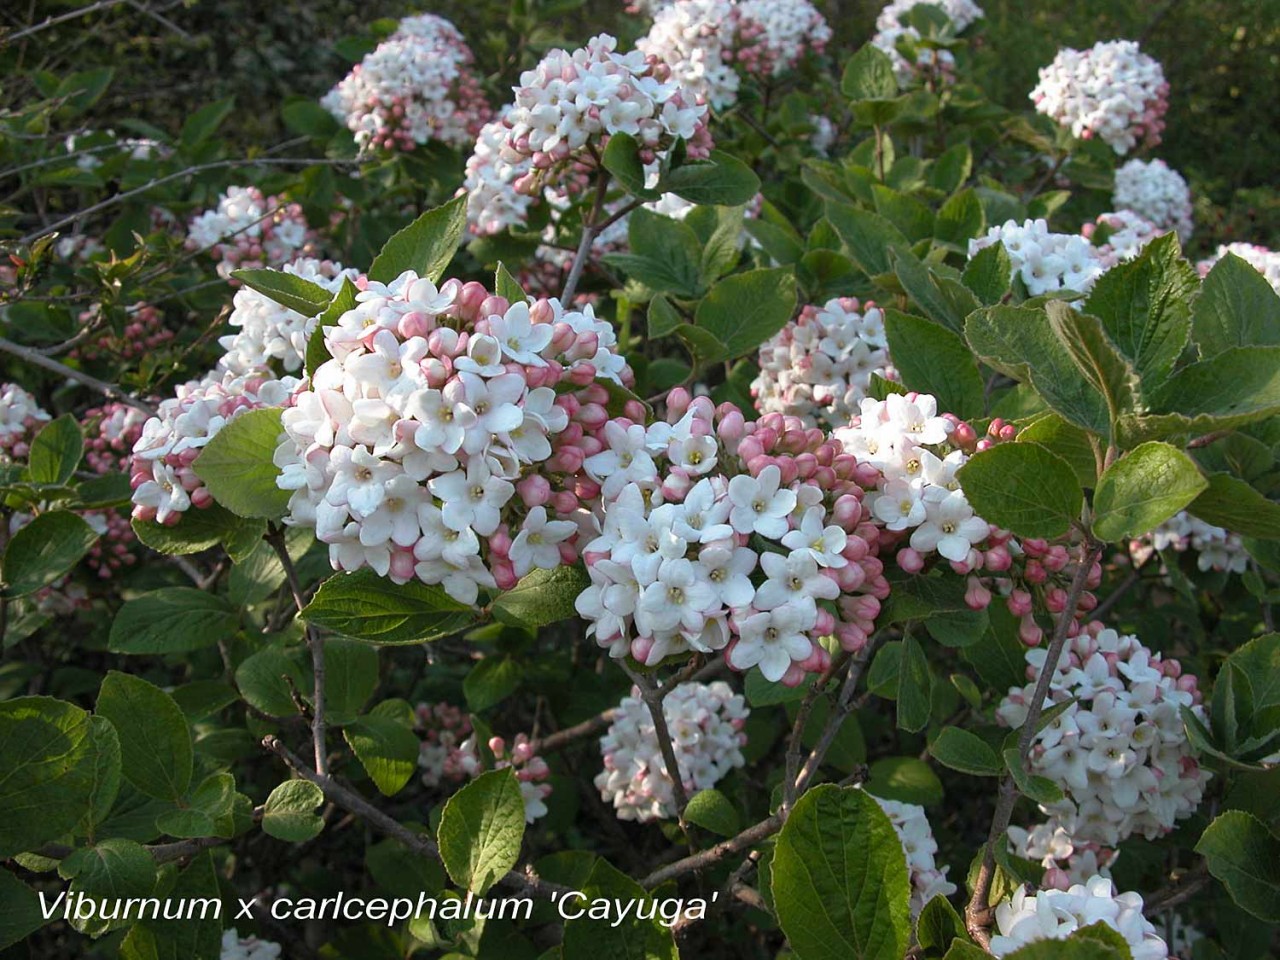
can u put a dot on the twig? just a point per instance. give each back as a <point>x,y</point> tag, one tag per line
<point>1180,890</point>
<point>562,738</point>
<point>527,882</point>
<point>108,390</point>
<point>795,745</point>
<point>978,913</point>
<point>652,697</point>
<point>589,231</point>
<point>713,855</point>
<point>844,706</point>
<point>48,22</point>
<point>275,537</point>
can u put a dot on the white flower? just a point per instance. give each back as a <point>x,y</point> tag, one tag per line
<point>1155,191</point>
<point>759,505</point>
<point>950,527</point>
<point>772,639</point>
<point>1056,914</point>
<point>536,545</point>
<point>795,580</point>
<point>472,498</point>
<point>824,543</point>
<point>729,573</point>
<point>677,600</point>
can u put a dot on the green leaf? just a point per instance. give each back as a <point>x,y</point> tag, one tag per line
<point>1076,947</point>
<point>426,246</point>
<point>1040,789</point>
<point>1231,503</point>
<point>491,681</point>
<point>960,220</point>
<point>1245,856</point>
<point>839,878</point>
<point>1097,357</point>
<point>201,530</point>
<point>236,465</point>
<point>202,124</point>
<point>172,620</point>
<point>961,750</point>
<point>711,810</point>
<point>905,779</point>
<point>47,771</point>
<point>951,168</point>
<point>194,937</point>
<point>988,274</point>
<point>663,317</point>
<point>1067,441</point>
<point>308,118</point>
<point>765,693</point>
<point>744,310</point>
<point>915,686</point>
<point>1236,308</point>
<point>622,159</point>
<point>931,359</point>
<point>365,606</point>
<point>723,180</point>
<point>287,289</point>
<point>938,925</point>
<point>942,299</point>
<point>207,812</point>
<point>115,869</point>
<point>632,938</point>
<point>506,285</point>
<point>155,743</point>
<point>542,597</point>
<point>55,452</point>
<point>290,811</point>
<point>481,830</point>
<point>260,678</point>
<point>868,75</point>
<point>352,677</point>
<point>386,749</point>
<point>1143,489</point>
<point>665,254</point>
<point>106,774</point>
<point>1259,660</point>
<point>1023,488</point>
<point>1019,342</point>
<point>1144,306</point>
<point>909,215</point>
<point>868,236</point>
<point>20,912</point>
<point>343,300</point>
<point>44,550</point>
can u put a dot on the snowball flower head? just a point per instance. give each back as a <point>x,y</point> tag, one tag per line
<point>1215,548</point>
<point>706,723</point>
<point>247,229</point>
<point>1045,261</point>
<point>1154,190</point>
<point>928,880</point>
<point>1265,261</point>
<point>1056,914</point>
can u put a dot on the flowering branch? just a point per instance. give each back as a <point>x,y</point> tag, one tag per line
<point>978,912</point>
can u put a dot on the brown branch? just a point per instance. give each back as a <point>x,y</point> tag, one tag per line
<point>652,696</point>
<point>562,738</point>
<point>589,231</point>
<point>108,390</point>
<point>1180,890</point>
<point>796,743</point>
<point>48,22</point>
<point>713,855</point>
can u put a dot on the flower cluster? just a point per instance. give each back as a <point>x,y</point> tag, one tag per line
<point>705,721</point>
<point>696,507</point>
<point>1154,190</point>
<point>1119,236</point>
<point>143,333</point>
<point>236,947</point>
<point>1265,261</point>
<point>1215,548</point>
<point>416,87</point>
<point>1056,914</point>
<point>570,103</point>
<point>530,769</point>
<point>165,484</point>
<point>268,332</point>
<point>493,202</point>
<point>110,432</point>
<point>445,728</point>
<point>775,35</point>
<point>1066,858</point>
<point>695,38</point>
<point>819,366</point>
<point>1119,751</point>
<point>928,63</point>
<point>248,229</point>
<point>962,13</point>
<point>1112,91</point>
<point>21,418</point>
<point>928,880</point>
<point>428,445</point>
<point>1045,261</point>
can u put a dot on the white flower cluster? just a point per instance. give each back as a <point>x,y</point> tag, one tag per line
<point>247,229</point>
<point>1265,261</point>
<point>1154,190</point>
<point>21,417</point>
<point>1045,261</point>
<point>1119,752</point>
<point>1112,91</point>
<point>1216,548</point>
<point>918,490</point>
<point>236,947</point>
<point>932,64</point>
<point>672,571</point>
<point>268,332</point>
<point>1119,236</point>
<point>819,366</point>
<point>928,880</point>
<point>531,770</point>
<point>695,39</point>
<point>493,203</point>
<point>571,102</point>
<point>774,35</point>
<point>1067,859</point>
<point>445,728</point>
<point>414,88</point>
<point>165,484</point>
<point>705,721</point>
<point>1056,914</point>
<point>438,407</point>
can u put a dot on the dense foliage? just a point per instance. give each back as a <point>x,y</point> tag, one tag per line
<point>703,479</point>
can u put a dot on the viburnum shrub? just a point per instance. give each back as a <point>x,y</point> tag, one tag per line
<point>721,493</point>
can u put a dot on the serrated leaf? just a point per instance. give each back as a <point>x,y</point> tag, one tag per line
<point>55,452</point>
<point>934,360</point>
<point>723,180</point>
<point>1142,489</point>
<point>295,293</point>
<point>386,749</point>
<point>744,310</point>
<point>711,810</point>
<point>155,743</point>
<point>1231,503</point>
<point>172,620</point>
<point>1023,488</point>
<point>364,606</point>
<point>289,813</point>
<point>237,465</point>
<point>43,550</point>
<point>1236,308</point>
<point>966,752</point>
<point>542,597</point>
<point>481,830</point>
<point>1245,856</point>
<point>426,246</point>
